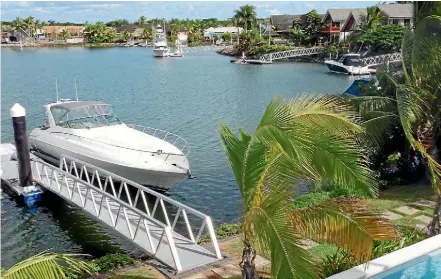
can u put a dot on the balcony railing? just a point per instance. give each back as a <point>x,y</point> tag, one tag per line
<point>329,29</point>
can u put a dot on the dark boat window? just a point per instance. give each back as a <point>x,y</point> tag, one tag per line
<point>352,61</point>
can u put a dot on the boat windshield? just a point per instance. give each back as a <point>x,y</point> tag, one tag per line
<point>91,116</point>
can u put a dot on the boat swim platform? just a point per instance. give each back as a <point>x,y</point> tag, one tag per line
<point>153,227</point>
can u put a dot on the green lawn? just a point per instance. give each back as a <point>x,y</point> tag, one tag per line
<point>144,272</point>
<point>397,196</point>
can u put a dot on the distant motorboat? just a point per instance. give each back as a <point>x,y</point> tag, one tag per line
<point>160,47</point>
<point>350,64</point>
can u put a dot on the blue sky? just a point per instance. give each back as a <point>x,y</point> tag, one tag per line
<point>110,10</point>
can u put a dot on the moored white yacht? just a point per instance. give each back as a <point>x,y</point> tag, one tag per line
<point>348,64</point>
<point>91,132</point>
<point>160,47</point>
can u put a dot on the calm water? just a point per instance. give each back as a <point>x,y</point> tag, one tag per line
<point>190,95</point>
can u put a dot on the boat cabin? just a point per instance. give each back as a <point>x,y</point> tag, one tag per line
<point>351,59</point>
<point>81,115</point>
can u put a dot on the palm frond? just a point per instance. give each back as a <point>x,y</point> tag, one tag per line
<point>47,265</point>
<point>347,223</point>
<point>274,236</point>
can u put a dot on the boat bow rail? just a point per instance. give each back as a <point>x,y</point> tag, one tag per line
<point>164,228</point>
<point>170,137</point>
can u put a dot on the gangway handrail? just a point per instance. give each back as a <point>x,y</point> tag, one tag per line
<point>54,177</point>
<point>291,53</point>
<point>160,198</point>
<point>185,149</point>
<point>383,58</point>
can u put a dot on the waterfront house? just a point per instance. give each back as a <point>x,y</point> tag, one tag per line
<point>182,37</point>
<point>52,32</point>
<point>399,14</point>
<point>135,29</point>
<point>354,20</point>
<point>14,35</point>
<point>212,32</point>
<point>282,24</point>
<point>333,22</point>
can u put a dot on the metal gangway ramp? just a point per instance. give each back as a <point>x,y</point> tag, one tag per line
<point>269,57</point>
<point>382,59</point>
<point>147,218</point>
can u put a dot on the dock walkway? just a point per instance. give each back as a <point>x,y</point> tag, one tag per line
<point>162,227</point>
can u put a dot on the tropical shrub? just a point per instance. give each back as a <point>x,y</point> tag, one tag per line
<point>111,262</point>
<point>338,262</point>
<point>384,38</point>
<point>408,237</point>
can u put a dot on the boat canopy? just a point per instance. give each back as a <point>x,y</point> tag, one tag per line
<point>84,114</point>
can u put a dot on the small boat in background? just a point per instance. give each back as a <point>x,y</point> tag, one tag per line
<point>240,60</point>
<point>178,52</point>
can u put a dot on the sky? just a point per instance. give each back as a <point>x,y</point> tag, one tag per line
<point>89,11</point>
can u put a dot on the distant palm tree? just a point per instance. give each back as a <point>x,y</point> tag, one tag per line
<point>298,34</point>
<point>246,16</point>
<point>147,35</point>
<point>47,265</point>
<point>307,139</point>
<point>368,23</point>
<point>64,34</point>
<point>142,20</point>
<point>126,35</point>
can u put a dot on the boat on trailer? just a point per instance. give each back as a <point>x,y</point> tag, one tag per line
<point>91,132</point>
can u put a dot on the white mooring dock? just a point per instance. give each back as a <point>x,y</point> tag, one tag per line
<point>165,229</point>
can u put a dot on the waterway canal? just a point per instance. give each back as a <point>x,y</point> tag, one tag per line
<point>190,95</point>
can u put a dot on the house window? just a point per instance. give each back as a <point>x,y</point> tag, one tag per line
<point>406,21</point>
<point>395,21</point>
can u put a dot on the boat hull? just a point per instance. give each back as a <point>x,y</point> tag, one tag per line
<point>160,53</point>
<point>159,180</point>
<point>157,170</point>
<point>339,68</point>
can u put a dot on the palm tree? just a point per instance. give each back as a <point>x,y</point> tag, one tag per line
<point>142,20</point>
<point>147,35</point>
<point>47,265</point>
<point>64,34</point>
<point>30,25</point>
<point>307,139</point>
<point>246,16</point>
<point>368,23</point>
<point>17,23</point>
<point>298,34</point>
<point>126,35</point>
<point>415,104</point>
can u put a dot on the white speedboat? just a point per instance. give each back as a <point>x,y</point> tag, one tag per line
<point>91,132</point>
<point>160,47</point>
<point>349,63</point>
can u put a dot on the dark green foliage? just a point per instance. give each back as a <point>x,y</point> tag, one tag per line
<point>314,198</point>
<point>104,264</point>
<point>224,231</point>
<point>408,237</point>
<point>337,262</point>
<point>384,38</point>
<point>112,262</point>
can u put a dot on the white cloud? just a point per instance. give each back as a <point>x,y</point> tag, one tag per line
<point>263,6</point>
<point>23,4</point>
<point>103,6</point>
<point>39,10</point>
<point>274,12</point>
<point>309,5</point>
